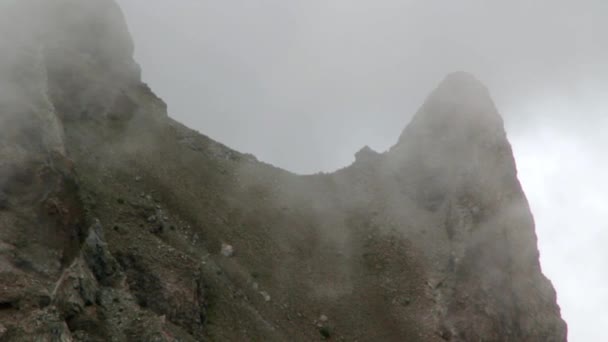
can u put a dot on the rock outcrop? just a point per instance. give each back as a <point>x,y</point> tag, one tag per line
<point>115,220</point>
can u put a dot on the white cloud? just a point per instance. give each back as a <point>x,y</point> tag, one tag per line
<point>564,176</point>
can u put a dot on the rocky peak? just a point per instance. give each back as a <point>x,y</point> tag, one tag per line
<point>459,111</point>
<point>464,94</point>
<point>114,226</point>
<point>456,142</point>
<point>367,155</point>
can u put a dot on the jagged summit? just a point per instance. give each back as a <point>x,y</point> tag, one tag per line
<point>463,82</point>
<point>461,91</point>
<point>458,128</point>
<point>366,154</point>
<point>460,107</point>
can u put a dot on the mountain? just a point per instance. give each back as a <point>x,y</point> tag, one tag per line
<point>118,223</point>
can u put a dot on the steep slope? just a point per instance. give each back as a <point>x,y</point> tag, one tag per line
<point>119,224</point>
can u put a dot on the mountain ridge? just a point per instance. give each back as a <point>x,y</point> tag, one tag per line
<point>122,224</point>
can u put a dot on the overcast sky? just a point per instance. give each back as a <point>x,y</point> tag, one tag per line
<point>305,84</point>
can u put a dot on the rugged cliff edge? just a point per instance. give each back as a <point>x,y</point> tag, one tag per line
<point>119,224</point>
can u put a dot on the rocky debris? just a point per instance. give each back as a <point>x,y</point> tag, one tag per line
<point>54,332</point>
<point>42,325</point>
<point>403,301</point>
<point>98,257</point>
<point>159,220</point>
<point>76,289</point>
<point>181,300</point>
<point>367,155</point>
<point>265,295</point>
<point>195,239</point>
<point>250,158</point>
<point>227,250</point>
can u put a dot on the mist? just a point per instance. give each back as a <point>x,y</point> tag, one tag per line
<point>305,85</point>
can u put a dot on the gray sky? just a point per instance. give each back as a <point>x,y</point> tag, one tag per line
<point>304,85</point>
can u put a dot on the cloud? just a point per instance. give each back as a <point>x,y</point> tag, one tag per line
<point>563,173</point>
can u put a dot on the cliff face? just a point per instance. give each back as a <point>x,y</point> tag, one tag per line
<point>119,224</point>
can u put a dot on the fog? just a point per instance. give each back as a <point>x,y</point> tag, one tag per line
<point>304,85</point>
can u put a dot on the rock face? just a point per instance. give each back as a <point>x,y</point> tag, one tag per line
<point>114,219</point>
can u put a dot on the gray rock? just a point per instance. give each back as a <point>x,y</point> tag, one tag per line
<point>265,295</point>
<point>227,250</point>
<point>98,257</point>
